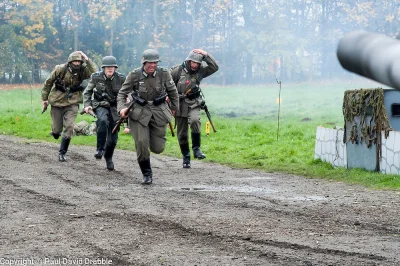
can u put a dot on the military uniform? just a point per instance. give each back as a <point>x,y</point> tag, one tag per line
<point>66,97</point>
<point>190,104</point>
<point>148,121</point>
<point>101,94</point>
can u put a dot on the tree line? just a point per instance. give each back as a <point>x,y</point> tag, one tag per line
<point>254,41</point>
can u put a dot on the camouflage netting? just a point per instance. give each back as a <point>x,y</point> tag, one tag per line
<point>365,115</point>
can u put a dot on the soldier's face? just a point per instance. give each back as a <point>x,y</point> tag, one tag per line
<point>76,63</point>
<point>194,65</point>
<point>109,71</point>
<point>150,67</point>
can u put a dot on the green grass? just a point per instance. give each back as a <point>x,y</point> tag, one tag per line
<point>246,119</point>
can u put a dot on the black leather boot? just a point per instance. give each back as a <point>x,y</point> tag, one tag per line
<point>146,171</point>
<point>54,135</point>
<point>101,141</point>
<point>63,149</point>
<point>196,141</point>
<point>186,154</point>
<point>108,154</point>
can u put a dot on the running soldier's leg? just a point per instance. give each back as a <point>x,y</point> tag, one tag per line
<point>157,136</point>
<point>183,129</point>
<point>102,125</point>
<point>112,140</point>
<point>194,117</point>
<point>195,126</point>
<point>69,116</point>
<point>56,121</point>
<point>140,135</point>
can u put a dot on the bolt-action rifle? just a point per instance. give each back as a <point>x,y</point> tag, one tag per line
<point>169,123</point>
<point>196,89</point>
<point>209,117</point>
<point>122,120</point>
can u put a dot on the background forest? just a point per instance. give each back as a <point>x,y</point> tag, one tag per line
<point>254,41</point>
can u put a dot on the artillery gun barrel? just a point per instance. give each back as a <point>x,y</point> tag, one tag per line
<point>371,55</point>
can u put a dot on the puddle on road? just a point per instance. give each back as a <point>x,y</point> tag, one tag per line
<point>240,189</point>
<point>304,198</point>
<point>251,190</point>
<point>257,178</point>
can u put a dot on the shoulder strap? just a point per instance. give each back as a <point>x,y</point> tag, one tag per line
<point>65,71</point>
<point>160,70</point>
<point>178,76</point>
<point>139,76</point>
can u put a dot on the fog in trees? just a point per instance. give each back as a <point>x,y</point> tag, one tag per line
<point>254,41</point>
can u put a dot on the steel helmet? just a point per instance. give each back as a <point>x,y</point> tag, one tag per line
<point>195,57</point>
<point>75,56</point>
<point>109,61</point>
<point>150,55</point>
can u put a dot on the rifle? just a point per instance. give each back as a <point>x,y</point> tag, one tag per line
<point>45,105</point>
<point>171,128</point>
<point>121,120</point>
<point>203,106</point>
<point>90,112</point>
<point>169,123</point>
<point>209,117</point>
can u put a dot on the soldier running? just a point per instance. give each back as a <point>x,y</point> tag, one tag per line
<point>63,91</point>
<point>101,96</point>
<point>149,86</point>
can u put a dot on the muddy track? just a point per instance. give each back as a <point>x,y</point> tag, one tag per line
<point>207,215</point>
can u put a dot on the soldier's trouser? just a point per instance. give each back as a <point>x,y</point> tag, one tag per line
<point>104,127</point>
<point>64,117</point>
<point>147,137</point>
<point>183,123</point>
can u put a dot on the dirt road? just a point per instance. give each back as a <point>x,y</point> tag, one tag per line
<point>80,213</point>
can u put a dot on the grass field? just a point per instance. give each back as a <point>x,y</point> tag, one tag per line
<point>246,119</point>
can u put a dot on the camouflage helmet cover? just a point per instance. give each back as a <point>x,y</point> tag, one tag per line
<point>150,55</point>
<point>109,61</point>
<point>195,57</point>
<point>75,56</point>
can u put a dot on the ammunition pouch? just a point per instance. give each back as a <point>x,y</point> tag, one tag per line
<point>60,85</point>
<point>140,100</point>
<point>160,99</point>
<point>157,101</point>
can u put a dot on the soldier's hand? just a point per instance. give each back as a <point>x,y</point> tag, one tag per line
<point>123,113</point>
<point>87,109</point>
<point>45,103</point>
<point>83,55</point>
<point>173,112</point>
<point>200,51</point>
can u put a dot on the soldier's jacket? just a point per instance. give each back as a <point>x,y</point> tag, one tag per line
<point>59,98</point>
<point>103,91</point>
<point>149,87</point>
<point>187,80</point>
